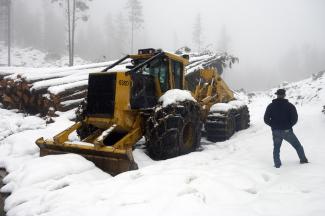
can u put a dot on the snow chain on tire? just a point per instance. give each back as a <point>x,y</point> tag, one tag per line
<point>220,126</point>
<point>173,130</point>
<point>242,118</point>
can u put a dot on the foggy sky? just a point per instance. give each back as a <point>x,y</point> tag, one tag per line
<point>274,40</point>
<point>278,40</point>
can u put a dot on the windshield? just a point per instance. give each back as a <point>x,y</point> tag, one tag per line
<point>159,69</point>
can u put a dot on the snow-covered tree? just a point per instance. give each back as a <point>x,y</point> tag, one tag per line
<point>74,10</point>
<point>197,32</point>
<point>135,17</point>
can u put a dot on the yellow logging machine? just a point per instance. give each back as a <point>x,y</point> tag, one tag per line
<point>122,107</point>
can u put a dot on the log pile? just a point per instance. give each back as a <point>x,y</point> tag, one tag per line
<point>47,91</point>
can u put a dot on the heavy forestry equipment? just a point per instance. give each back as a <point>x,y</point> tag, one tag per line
<point>123,106</point>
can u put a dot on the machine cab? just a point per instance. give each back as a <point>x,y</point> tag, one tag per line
<point>156,74</point>
<point>168,68</point>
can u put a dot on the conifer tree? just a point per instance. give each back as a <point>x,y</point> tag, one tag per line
<point>135,17</point>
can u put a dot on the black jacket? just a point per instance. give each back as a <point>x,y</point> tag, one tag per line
<point>281,114</point>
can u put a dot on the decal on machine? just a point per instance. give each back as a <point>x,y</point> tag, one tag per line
<point>124,82</point>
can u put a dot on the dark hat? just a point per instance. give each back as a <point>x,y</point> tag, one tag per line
<point>280,92</point>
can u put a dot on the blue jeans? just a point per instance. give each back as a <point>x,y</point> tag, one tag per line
<point>290,137</point>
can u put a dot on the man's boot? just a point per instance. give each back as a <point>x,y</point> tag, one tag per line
<point>303,161</point>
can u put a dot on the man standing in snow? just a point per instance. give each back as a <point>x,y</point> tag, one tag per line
<point>281,116</point>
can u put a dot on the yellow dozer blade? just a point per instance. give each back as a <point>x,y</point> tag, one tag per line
<point>113,159</point>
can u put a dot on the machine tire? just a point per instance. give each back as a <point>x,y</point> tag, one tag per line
<point>244,118</point>
<point>173,130</point>
<point>81,112</point>
<point>220,126</point>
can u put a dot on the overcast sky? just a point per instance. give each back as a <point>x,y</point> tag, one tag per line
<point>278,40</point>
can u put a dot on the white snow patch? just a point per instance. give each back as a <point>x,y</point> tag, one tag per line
<point>174,96</point>
<point>44,179</point>
<point>237,103</point>
<point>105,133</point>
<point>70,102</point>
<point>12,122</point>
<point>83,143</point>
<point>31,57</point>
<point>73,136</point>
<point>222,107</point>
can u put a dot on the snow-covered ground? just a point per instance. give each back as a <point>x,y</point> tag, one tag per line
<point>31,57</point>
<point>231,178</point>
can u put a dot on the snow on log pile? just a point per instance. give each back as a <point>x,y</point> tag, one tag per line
<point>47,90</point>
<point>207,59</point>
<point>203,60</point>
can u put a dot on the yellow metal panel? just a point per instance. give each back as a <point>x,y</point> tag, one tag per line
<point>123,87</point>
<point>158,87</point>
<point>177,58</point>
<point>129,140</point>
<point>208,74</point>
<point>124,117</point>
<point>212,89</point>
<point>69,144</point>
<point>64,135</point>
<point>100,122</point>
<point>171,75</point>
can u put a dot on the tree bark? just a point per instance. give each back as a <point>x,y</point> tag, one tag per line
<point>9,32</point>
<point>69,33</point>
<point>73,31</point>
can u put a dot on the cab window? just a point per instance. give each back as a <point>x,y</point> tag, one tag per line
<point>159,68</point>
<point>177,71</point>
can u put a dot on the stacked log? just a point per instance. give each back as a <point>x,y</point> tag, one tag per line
<point>46,91</point>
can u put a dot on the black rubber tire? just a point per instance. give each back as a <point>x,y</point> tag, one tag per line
<point>244,118</point>
<point>85,130</point>
<point>173,130</point>
<point>220,126</point>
